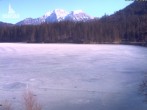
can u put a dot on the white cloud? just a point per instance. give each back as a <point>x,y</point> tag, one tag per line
<point>11,14</point>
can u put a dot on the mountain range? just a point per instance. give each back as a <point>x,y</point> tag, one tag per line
<point>57,15</point>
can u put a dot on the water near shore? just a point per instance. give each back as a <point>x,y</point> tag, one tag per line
<point>74,77</point>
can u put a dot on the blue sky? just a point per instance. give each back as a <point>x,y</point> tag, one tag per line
<point>36,8</point>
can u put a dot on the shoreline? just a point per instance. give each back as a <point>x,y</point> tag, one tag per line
<point>144,44</point>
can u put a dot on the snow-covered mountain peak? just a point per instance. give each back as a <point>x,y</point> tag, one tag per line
<point>77,11</point>
<point>48,13</point>
<point>60,13</point>
<point>57,15</point>
<point>78,15</point>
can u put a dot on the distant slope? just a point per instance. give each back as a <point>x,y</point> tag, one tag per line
<point>130,23</point>
<point>2,24</point>
<point>136,8</point>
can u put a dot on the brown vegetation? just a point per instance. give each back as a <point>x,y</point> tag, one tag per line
<point>6,105</point>
<point>30,103</point>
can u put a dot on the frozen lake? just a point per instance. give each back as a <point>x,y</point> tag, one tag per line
<point>73,76</point>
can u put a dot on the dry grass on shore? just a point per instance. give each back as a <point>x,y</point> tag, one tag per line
<point>30,102</point>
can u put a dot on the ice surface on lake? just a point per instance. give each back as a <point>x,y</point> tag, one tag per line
<point>73,76</point>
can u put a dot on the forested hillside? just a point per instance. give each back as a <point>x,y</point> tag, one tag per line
<point>2,24</point>
<point>125,26</point>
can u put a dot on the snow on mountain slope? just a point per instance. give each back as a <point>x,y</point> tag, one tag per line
<point>57,15</point>
<point>44,17</point>
<point>78,15</point>
<point>29,21</point>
